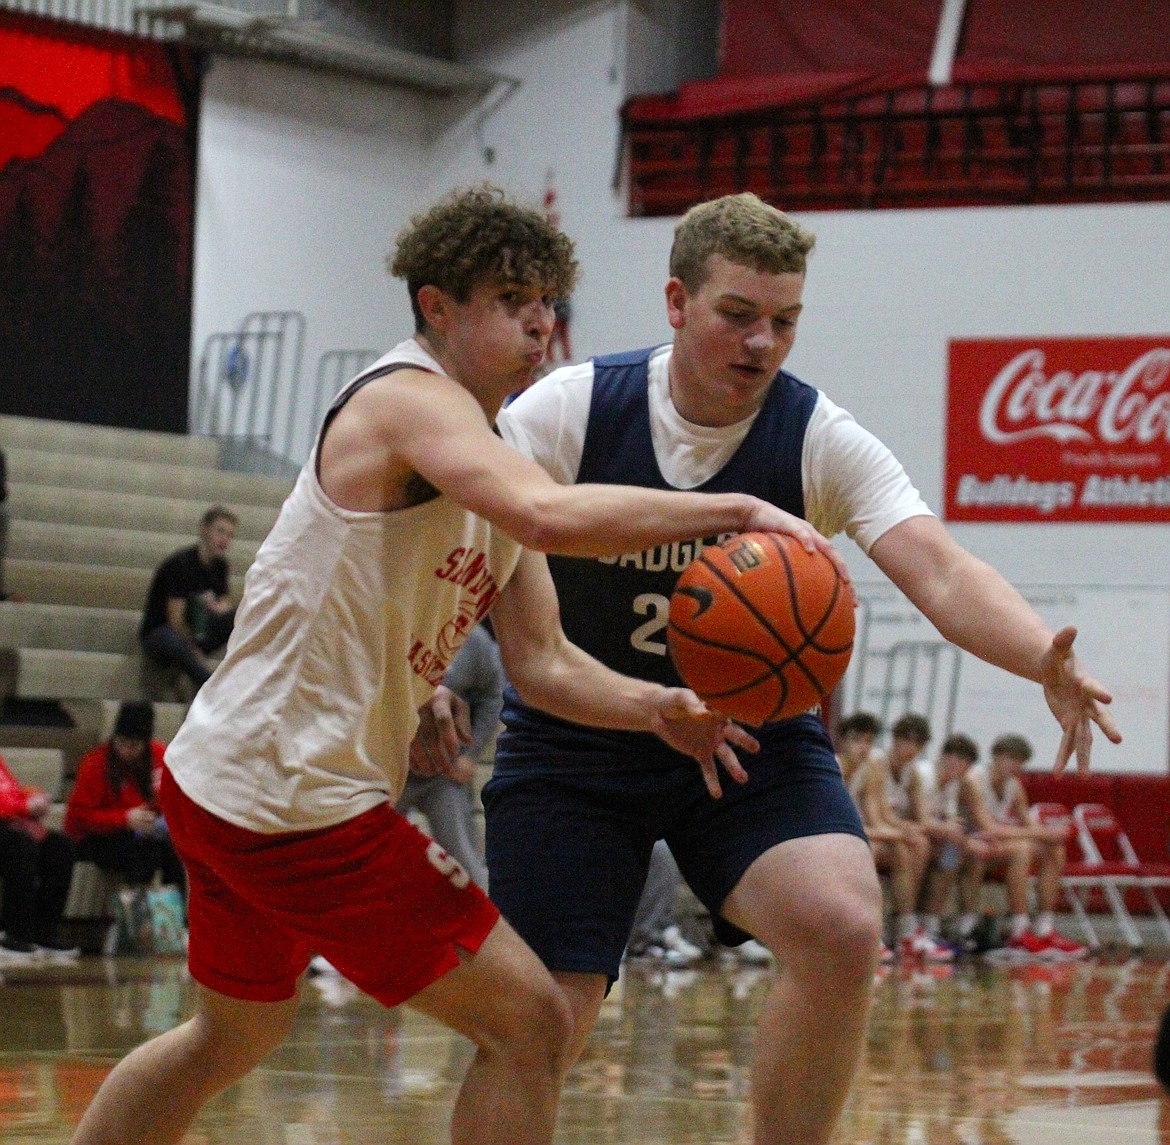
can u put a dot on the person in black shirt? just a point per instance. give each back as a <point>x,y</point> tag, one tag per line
<point>3,520</point>
<point>188,612</point>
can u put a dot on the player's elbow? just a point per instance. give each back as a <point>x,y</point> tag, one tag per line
<point>546,527</point>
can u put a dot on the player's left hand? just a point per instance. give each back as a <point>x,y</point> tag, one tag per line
<point>1076,700</point>
<point>683,721</point>
<point>444,729</point>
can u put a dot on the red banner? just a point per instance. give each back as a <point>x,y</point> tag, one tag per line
<point>1058,429</point>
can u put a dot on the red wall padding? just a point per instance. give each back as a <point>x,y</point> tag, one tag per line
<point>1074,32</point>
<point>761,37</point>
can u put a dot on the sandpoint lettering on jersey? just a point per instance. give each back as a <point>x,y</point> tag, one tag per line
<point>468,569</point>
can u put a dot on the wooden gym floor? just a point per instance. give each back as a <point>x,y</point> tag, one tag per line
<point>978,1055</point>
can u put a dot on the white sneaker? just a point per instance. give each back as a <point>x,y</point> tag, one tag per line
<point>13,953</point>
<point>921,945</point>
<point>754,953</point>
<point>672,939</point>
<point>54,952</point>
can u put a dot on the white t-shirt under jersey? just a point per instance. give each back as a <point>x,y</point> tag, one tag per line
<point>941,800</point>
<point>347,624</point>
<point>852,482</point>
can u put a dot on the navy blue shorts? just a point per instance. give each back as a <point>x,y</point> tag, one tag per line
<point>568,851</point>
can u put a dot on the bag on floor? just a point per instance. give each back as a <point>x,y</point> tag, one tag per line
<point>148,920</point>
<point>167,915</point>
<point>131,933</point>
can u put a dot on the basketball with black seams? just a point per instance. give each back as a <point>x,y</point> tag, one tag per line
<point>760,628</point>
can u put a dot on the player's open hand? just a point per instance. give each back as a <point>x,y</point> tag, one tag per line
<point>444,729</point>
<point>688,725</point>
<point>1076,700</point>
<point>767,518</point>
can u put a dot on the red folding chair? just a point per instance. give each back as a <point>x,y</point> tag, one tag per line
<point>1107,847</point>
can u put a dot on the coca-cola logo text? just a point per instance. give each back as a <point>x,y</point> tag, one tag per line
<point>1107,406</point>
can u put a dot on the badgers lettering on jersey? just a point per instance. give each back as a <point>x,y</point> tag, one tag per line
<point>675,556</point>
<point>468,569</point>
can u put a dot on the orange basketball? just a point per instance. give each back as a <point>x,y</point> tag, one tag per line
<point>760,628</point>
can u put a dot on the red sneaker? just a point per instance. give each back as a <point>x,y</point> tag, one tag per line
<point>1030,944</point>
<point>921,945</point>
<point>1061,948</point>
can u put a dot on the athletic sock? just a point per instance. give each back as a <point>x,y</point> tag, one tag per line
<point>931,924</point>
<point>1019,924</point>
<point>968,921</point>
<point>1044,924</point>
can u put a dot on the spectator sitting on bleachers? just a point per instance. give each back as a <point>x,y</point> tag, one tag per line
<point>188,613</point>
<point>3,520</point>
<point>994,807</point>
<point>900,847</point>
<point>933,788</point>
<point>112,812</point>
<point>36,865</point>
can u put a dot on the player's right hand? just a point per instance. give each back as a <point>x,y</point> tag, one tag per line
<point>444,729</point>
<point>683,721</point>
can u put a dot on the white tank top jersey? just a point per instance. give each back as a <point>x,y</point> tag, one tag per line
<point>347,623</point>
<point>898,791</point>
<point>852,482</point>
<point>1000,806</point>
<point>941,801</point>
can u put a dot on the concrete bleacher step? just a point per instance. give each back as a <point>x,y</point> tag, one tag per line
<point>83,629</point>
<point>90,722</point>
<point>158,514</point>
<point>97,586</point>
<point>77,438</point>
<point>97,545</point>
<point>39,767</point>
<point>66,673</point>
<point>117,475</point>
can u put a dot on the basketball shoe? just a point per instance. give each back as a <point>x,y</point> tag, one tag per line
<point>921,945</point>
<point>1027,944</point>
<point>753,953</point>
<point>1062,949</point>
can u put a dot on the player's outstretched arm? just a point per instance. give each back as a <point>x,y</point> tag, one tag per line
<point>560,678</point>
<point>437,429</point>
<point>975,607</point>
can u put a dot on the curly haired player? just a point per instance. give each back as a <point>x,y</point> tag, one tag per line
<point>405,526</point>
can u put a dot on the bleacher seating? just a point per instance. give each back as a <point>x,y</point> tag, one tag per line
<point>93,510</point>
<point>1054,136</point>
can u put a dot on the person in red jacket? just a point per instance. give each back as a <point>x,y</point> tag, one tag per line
<point>36,865</point>
<point>112,812</point>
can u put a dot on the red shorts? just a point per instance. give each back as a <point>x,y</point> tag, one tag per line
<point>382,902</point>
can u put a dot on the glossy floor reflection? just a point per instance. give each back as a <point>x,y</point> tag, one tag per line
<point>980,1055</point>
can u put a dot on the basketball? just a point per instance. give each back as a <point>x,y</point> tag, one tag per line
<point>760,628</point>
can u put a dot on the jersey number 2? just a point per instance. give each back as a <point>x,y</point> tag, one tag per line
<point>657,607</point>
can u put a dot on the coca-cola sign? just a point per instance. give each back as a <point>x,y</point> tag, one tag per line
<point>1058,429</point>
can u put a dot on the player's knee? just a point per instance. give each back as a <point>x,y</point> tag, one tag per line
<point>539,1030</point>
<point>231,1050</point>
<point>841,948</point>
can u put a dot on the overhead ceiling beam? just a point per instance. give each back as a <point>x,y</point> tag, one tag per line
<point>274,36</point>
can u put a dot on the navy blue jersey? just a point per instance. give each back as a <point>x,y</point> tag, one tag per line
<point>616,607</point>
